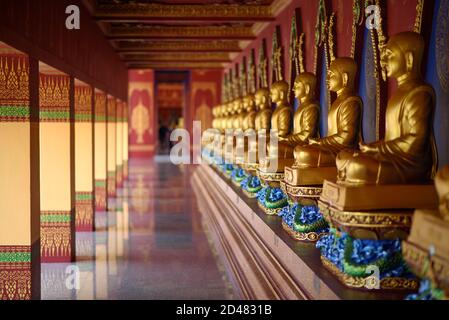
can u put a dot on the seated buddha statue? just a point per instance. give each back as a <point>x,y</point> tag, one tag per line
<point>262,122</point>
<point>344,119</point>
<point>239,118</point>
<point>249,106</point>
<point>229,137</point>
<point>306,118</point>
<point>281,119</point>
<point>248,121</point>
<point>407,155</point>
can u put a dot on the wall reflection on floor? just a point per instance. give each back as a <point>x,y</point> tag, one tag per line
<point>149,245</point>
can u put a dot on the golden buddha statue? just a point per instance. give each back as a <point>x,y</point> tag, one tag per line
<point>408,153</point>
<point>281,119</point>
<point>344,119</point>
<point>426,250</point>
<point>259,120</point>
<point>249,106</point>
<point>248,123</point>
<point>263,117</point>
<point>228,136</point>
<point>239,118</point>
<point>224,118</point>
<point>306,118</point>
<point>230,118</point>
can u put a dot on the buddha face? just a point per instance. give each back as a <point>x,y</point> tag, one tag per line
<point>334,80</point>
<point>279,92</point>
<point>394,61</point>
<point>299,89</point>
<point>230,108</point>
<point>341,75</point>
<point>248,103</point>
<point>236,106</point>
<point>275,95</point>
<point>262,99</point>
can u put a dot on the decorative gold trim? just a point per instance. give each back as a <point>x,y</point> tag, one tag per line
<point>301,192</point>
<point>377,219</point>
<point>250,166</point>
<point>151,31</point>
<point>249,194</point>
<point>176,65</point>
<point>299,236</point>
<point>128,11</point>
<point>270,176</point>
<point>420,261</point>
<point>268,211</point>
<point>180,46</point>
<point>331,38</point>
<point>178,56</point>
<point>366,283</point>
<point>235,183</point>
<point>419,16</point>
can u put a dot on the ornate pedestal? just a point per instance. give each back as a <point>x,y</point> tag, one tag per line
<point>426,251</point>
<point>271,198</point>
<point>364,249</point>
<point>238,175</point>
<point>304,222</point>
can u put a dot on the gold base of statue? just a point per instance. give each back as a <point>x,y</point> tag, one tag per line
<point>379,197</point>
<point>429,230</point>
<point>309,176</point>
<point>306,195</point>
<point>270,179</point>
<point>249,194</point>
<point>300,236</point>
<point>273,178</point>
<point>227,175</point>
<point>269,211</point>
<point>236,183</point>
<point>370,283</point>
<point>250,167</point>
<point>370,225</point>
<point>264,164</point>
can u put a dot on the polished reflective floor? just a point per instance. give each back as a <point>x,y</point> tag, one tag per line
<point>152,246</point>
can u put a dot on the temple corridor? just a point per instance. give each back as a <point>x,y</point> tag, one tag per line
<point>224,150</point>
<point>152,246</point>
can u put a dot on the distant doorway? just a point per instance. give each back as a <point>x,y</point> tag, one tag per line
<point>170,105</point>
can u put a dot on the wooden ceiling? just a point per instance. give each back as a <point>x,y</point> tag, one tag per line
<point>181,34</point>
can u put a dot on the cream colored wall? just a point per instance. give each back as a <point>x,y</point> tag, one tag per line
<point>119,150</point>
<point>125,141</point>
<point>55,166</point>
<point>111,146</point>
<point>83,156</point>
<point>15,205</point>
<point>100,151</point>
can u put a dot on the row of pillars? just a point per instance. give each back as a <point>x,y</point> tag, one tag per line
<point>64,153</point>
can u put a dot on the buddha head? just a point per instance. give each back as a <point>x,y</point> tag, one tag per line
<point>230,108</point>
<point>442,186</point>
<point>305,85</point>
<point>341,74</point>
<point>279,92</point>
<point>224,110</point>
<point>237,105</point>
<point>403,55</point>
<point>262,99</point>
<point>248,103</point>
